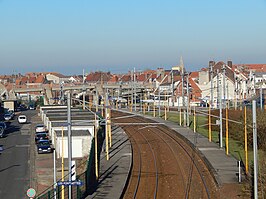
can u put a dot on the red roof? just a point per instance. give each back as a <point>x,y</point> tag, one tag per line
<point>98,77</point>
<point>24,80</point>
<point>126,78</point>
<point>253,67</point>
<point>32,79</point>
<point>113,79</point>
<point>40,79</point>
<point>196,91</point>
<point>194,74</point>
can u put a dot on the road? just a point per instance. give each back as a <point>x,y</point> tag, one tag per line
<point>15,159</point>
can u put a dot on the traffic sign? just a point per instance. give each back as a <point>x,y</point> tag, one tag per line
<point>31,193</point>
<point>70,183</point>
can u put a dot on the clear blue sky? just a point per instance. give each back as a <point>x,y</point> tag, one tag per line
<point>118,35</point>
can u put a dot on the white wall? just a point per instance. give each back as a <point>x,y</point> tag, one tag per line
<point>81,146</point>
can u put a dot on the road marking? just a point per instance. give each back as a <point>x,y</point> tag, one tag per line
<point>127,154</point>
<point>25,132</point>
<point>208,149</point>
<point>22,145</point>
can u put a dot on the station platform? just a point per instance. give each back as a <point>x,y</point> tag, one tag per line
<point>113,173</point>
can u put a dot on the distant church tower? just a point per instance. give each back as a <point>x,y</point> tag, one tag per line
<point>182,68</point>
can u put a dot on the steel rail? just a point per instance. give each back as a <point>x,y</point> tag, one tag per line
<point>175,140</point>
<point>139,173</point>
<point>172,150</point>
<point>199,172</point>
<point>155,165</point>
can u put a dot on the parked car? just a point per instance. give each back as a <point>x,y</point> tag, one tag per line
<point>12,113</point>
<point>40,128</point>
<point>41,136</point>
<point>3,125</point>
<point>31,107</point>
<point>2,132</point>
<point>44,146</point>
<point>22,107</point>
<point>7,116</point>
<point>22,119</point>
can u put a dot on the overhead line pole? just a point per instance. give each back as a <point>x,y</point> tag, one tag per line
<point>211,101</point>
<point>218,97</point>
<point>172,81</point>
<point>183,97</point>
<point>246,139</point>
<point>261,105</point>
<point>83,92</point>
<point>159,102</point>
<point>224,97</point>
<point>106,126</point>
<point>97,100</point>
<point>187,100</point>
<point>255,149</point>
<point>135,101</point>
<point>221,113</point>
<point>62,164</point>
<point>69,142</point>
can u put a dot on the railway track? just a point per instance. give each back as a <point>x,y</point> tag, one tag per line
<point>164,165</point>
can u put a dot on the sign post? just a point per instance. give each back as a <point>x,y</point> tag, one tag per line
<point>31,193</point>
<point>70,183</point>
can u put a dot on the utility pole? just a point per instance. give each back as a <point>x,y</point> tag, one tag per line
<point>69,143</point>
<point>159,101</point>
<point>55,171</point>
<point>132,91</point>
<point>246,139</point>
<point>140,100</point>
<point>255,149</point>
<point>97,100</point>
<point>172,82</point>
<point>183,96</point>
<point>135,101</point>
<point>83,90</point>
<point>218,94</point>
<point>61,92</point>
<point>187,100</point>
<point>227,93</point>
<point>224,97</point>
<point>236,90</point>
<point>211,101</point>
<point>261,105</point>
<point>106,126</point>
<point>221,112</point>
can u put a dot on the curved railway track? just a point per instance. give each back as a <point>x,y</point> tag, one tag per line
<point>164,165</point>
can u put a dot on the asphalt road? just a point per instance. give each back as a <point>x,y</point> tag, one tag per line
<point>15,159</point>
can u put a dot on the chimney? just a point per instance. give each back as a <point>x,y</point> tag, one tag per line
<point>211,63</point>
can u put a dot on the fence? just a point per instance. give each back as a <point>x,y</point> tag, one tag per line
<point>88,177</point>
